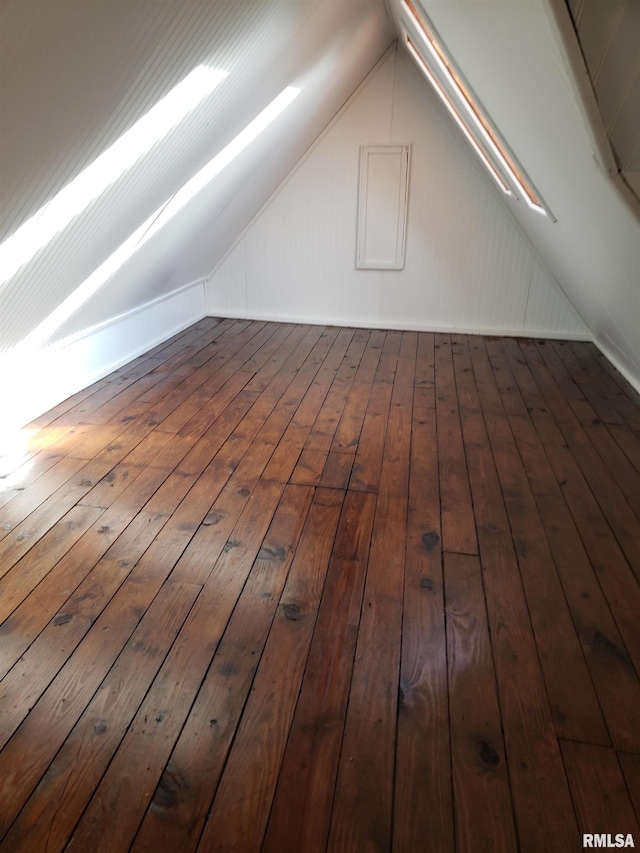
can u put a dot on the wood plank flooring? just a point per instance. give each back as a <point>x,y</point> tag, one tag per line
<point>292,588</point>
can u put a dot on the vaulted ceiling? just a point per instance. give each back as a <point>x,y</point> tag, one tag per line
<point>523,62</point>
<point>609,35</point>
<point>75,75</point>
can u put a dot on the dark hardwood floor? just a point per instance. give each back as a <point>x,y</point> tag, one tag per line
<point>296,588</point>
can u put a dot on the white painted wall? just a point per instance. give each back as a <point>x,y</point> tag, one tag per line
<point>514,56</point>
<point>468,265</point>
<point>34,380</point>
<point>75,76</point>
<point>112,62</point>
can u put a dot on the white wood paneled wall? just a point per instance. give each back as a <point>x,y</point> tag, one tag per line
<point>468,266</point>
<point>514,56</point>
<point>113,62</point>
<point>34,380</point>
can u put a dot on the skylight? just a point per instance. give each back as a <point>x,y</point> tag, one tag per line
<point>437,67</point>
<point>159,219</point>
<point>37,231</point>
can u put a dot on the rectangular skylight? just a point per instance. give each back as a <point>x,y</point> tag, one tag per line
<point>437,67</point>
<point>456,116</point>
<point>56,214</point>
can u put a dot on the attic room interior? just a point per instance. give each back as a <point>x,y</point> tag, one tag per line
<point>320,435</point>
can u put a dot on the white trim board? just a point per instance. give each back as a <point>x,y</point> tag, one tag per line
<point>39,380</point>
<point>407,327</point>
<point>112,321</point>
<point>608,353</point>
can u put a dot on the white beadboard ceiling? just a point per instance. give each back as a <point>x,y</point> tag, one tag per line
<point>609,36</point>
<point>519,59</point>
<point>467,264</point>
<point>75,74</point>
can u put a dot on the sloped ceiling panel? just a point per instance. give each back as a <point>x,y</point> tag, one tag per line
<point>609,36</point>
<point>77,75</point>
<point>512,55</point>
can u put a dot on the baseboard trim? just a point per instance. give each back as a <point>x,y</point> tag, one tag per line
<point>199,283</point>
<point>624,371</point>
<point>404,327</point>
<point>36,381</point>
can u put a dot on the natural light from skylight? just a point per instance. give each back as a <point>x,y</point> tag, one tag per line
<point>40,229</point>
<point>43,332</point>
<point>454,113</point>
<point>467,114</point>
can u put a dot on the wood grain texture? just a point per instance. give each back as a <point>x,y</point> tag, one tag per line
<point>362,814</point>
<point>600,794</point>
<point>574,703</point>
<point>604,649</point>
<point>484,816</point>
<point>366,469</point>
<point>57,803</point>
<point>423,785</point>
<point>285,587</point>
<point>631,769</point>
<point>458,523</point>
<point>160,717</point>
<point>184,793</point>
<point>239,815</point>
<point>540,794</point>
<point>608,562</point>
<point>301,809</point>
<point>616,508</point>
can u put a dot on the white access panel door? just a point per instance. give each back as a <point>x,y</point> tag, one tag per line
<point>382,206</point>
